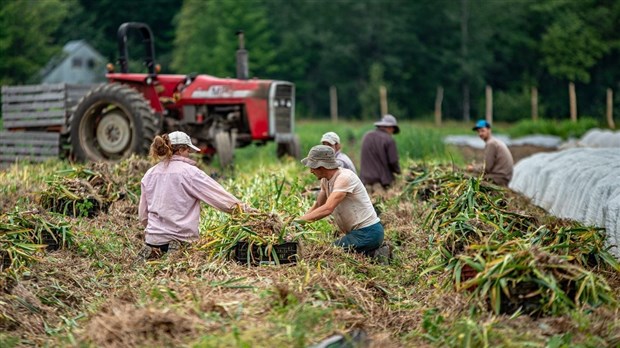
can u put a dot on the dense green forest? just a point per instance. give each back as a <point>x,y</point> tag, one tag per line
<point>411,47</point>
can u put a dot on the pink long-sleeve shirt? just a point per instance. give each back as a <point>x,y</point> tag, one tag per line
<point>170,200</point>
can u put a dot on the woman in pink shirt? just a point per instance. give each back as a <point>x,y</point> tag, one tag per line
<point>171,194</point>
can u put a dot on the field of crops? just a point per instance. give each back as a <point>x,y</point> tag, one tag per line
<point>473,265</point>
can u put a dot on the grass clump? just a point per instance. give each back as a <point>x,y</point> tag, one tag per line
<point>564,129</point>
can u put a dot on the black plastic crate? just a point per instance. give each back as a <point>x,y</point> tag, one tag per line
<point>286,253</point>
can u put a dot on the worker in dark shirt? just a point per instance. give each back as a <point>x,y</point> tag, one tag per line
<point>379,157</point>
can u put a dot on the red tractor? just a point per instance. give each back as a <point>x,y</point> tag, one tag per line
<point>117,119</point>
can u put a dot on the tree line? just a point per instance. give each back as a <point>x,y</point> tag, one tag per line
<point>410,47</point>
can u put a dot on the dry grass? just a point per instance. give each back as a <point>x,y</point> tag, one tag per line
<point>92,294</point>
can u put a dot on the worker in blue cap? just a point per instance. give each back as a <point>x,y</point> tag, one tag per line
<point>498,162</point>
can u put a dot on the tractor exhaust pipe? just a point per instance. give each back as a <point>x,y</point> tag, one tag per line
<point>242,58</point>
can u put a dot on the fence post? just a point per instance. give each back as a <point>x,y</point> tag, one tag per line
<point>610,109</point>
<point>573,101</point>
<point>489,104</point>
<point>438,102</point>
<point>534,102</point>
<point>383,100</point>
<point>333,103</point>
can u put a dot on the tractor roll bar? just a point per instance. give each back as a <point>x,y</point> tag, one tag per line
<point>147,38</point>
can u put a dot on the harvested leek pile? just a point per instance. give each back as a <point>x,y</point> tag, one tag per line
<point>25,234</point>
<point>78,192</point>
<point>585,245</point>
<point>519,276</point>
<point>426,183</point>
<point>84,191</point>
<point>258,235</point>
<point>125,175</point>
<point>470,211</point>
<point>504,257</point>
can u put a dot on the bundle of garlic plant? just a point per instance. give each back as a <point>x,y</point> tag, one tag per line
<point>278,197</point>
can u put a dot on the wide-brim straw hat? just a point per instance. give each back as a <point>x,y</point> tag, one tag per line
<point>388,121</point>
<point>321,156</point>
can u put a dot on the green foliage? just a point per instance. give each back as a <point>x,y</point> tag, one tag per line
<point>465,332</point>
<point>369,96</point>
<point>98,22</point>
<point>9,341</point>
<point>577,36</point>
<point>513,106</point>
<point>206,41</point>
<point>565,129</point>
<point>570,48</point>
<point>417,140</point>
<point>318,44</point>
<point>25,38</point>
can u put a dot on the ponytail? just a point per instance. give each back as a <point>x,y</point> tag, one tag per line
<point>161,148</point>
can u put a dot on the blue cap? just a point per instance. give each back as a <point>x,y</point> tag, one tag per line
<point>481,124</point>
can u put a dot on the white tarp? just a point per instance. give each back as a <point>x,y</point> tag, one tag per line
<point>592,138</point>
<point>582,184</point>
<point>600,138</point>
<point>550,141</point>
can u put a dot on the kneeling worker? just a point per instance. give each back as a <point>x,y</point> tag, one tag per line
<point>498,162</point>
<point>343,195</point>
<point>171,193</point>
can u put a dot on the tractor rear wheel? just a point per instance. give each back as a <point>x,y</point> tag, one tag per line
<point>224,148</point>
<point>110,123</point>
<point>289,147</point>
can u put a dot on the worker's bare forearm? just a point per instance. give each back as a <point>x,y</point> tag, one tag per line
<point>316,214</point>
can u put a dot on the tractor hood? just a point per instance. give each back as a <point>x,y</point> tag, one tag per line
<point>209,87</point>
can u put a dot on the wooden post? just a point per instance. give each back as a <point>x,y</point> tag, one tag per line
<point>383,99</point>
<point>465,81</point>
<point>333,103</point>
<point>438,102</point>
<point>534,102</point>
<point>573,101</point>
<point>489,103</point>
<point>466,103</point>
<point>610,109</point>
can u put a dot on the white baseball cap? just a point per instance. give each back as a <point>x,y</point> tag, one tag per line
<point>180,138</point>
<point>331,137</point>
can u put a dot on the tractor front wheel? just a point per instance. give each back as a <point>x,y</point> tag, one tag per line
<point>110,123</point>
<point>224,148</point>
<point>289,147</point>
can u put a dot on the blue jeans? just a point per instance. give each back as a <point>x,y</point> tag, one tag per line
<point>362,240</point>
